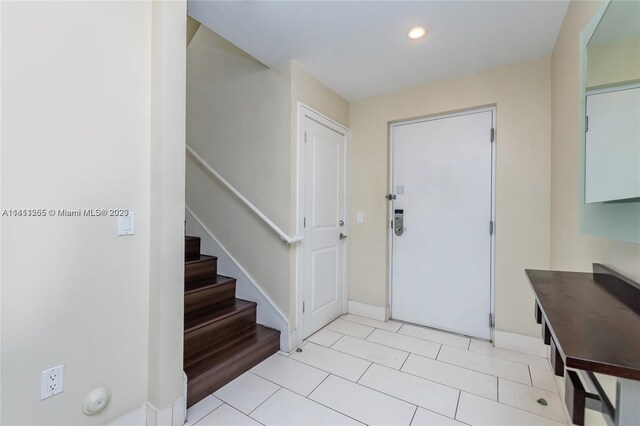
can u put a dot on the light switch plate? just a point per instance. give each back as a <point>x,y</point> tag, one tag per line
<point>126,224</point>
<point>359,217</point>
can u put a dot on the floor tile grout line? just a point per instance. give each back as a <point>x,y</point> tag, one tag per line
<point>368,325</point>
<point>438,354</point>
<point>313,390</point>
<point>477,371</point>
<point>268,398</point>
<point>374,343</point>
<point>530,375</point>
<point>222,402</point>
<point>333,409</point>
<point>531,386</point>
<point>331,347</point>
<point>457,405</point>
<point>405,361</point>
<point>414,415</point>
<point>365,372</point>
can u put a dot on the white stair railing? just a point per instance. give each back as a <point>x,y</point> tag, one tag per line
<point>290,240</point>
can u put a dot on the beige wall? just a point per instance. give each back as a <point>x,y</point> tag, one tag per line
<point>242,118</point>
<point>521,93</point>
<point>238,120</point>
<point>78,132</point>
<point>571,250</point>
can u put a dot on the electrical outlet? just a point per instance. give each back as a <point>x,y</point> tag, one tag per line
<point>51,381</point>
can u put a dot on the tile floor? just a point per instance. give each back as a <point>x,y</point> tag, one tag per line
<point>360,371</point>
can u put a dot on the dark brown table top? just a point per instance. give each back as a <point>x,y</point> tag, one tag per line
<point>594,318</point>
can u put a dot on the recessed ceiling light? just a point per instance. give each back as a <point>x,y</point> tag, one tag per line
<point>416,33</point>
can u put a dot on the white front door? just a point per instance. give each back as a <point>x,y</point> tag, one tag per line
<point>324,217</point>
<point>442,180</point>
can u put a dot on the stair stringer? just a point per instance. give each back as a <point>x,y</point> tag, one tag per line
<point>246,286</point>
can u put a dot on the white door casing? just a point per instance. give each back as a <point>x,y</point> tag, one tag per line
<point>322,185</point>
<point>441,266</point>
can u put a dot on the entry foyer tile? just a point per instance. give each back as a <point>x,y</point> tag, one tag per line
<point>201,409</point>
<point>325,337</point>
<point>487,348</point>
<point>525,397</point>
<point>246,392</point>
<point>452,375</point>
<point>288,408</point>
<point>429,418</point>
<point>543,378</point>
<point>334,362</point>
<point>435,336</point>
<point>415,390</point>
<point>405,343</point>
<point>293,375</point>
<point>361,403</point>
<point>475,410</point>
<point>350,328</point>
<point>227,416</point>
<point>392,326</point>
<point>371,351</point>
<point>486,364</point>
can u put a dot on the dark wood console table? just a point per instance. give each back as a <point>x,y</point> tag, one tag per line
<point>592,323</point>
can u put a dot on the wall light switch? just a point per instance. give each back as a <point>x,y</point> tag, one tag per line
<point>126,224</point>
<point>359,217</point>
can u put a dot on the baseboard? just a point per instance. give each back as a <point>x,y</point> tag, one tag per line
<point>520,342</point>
<point>246,286</point>
<point>370,311</point>
<point>173,414</point>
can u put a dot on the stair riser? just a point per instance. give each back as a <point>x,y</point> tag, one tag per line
<point>200,271</point>
<point>223,293</point>
<point>191,249</point>
<point>215,333</point>
<point>223,374</point>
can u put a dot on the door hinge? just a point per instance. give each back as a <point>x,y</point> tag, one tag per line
<point>390,197</point>
<point>490,320</point>
<point>586,123</point>
<point>304,222</point>
<point>491,228</point>
<point>493,134</point>
<point>303,307</point>
<point>305,137</point>
<point>391,226</point>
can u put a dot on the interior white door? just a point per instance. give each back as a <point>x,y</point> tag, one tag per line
<point>442,179</point>
<point>323,247</point>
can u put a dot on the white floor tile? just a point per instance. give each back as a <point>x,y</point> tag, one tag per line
<point>424,393</point>
<point>543,378</point>
<point>405,343</point>
<point>487,348</point>
<point>202,408</point>
<point>371,351</point>
<point>525,397</point>
<point>227,416</point>
<point>429,418</point>
<point>392,326</point>
<point>325,337</point>
<point>361,403</point>
<point>293,375</point>
<point>288,408</point>
<point>452,375</point>
<point>334,362</point>
<point>435,336</point>
<point>486,364</point>
<point>350,328</point>
<point>475,410</point>
<point>246,392</point>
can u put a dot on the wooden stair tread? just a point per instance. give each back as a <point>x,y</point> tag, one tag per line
<point>202,258</point>
<point>203,317</point>
<point>208,283</point>
<point>236,347</point>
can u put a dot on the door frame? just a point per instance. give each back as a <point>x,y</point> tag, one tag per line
<point>431,117</point>
<point>305,111</point>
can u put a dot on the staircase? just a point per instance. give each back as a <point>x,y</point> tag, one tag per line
<point>221,337</point>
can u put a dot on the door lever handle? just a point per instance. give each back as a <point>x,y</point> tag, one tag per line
<point>342,236</point>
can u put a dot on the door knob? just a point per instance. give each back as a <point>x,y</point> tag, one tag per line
<point>342,236</point>
<point>341,223</point>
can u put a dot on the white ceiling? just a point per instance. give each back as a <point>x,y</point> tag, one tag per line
<point>360,48</point>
